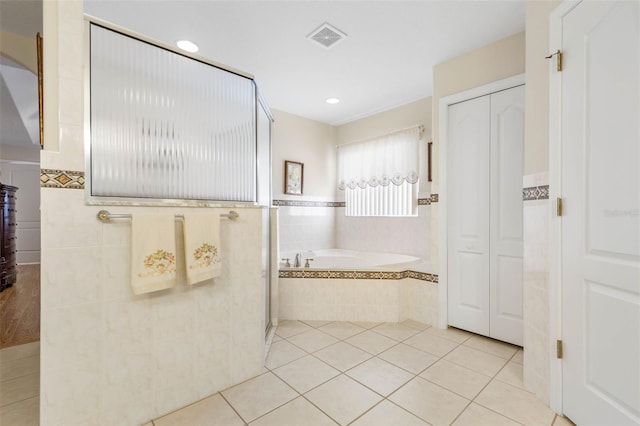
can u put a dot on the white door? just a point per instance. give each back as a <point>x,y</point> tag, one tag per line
<point>505,228</point>
<point>468,224</point>
<point>601,223</point>
<point>484,171</point>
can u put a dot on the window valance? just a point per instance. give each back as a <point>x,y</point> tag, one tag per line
<point>393,158</point>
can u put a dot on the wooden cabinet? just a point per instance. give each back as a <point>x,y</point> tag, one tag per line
<point>8,225</point>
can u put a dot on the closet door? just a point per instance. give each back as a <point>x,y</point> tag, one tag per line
<point>505,228</point>
<point>468,222</point>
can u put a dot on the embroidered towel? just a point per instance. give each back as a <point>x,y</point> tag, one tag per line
<point>153,252</point>
<point>202,247</point>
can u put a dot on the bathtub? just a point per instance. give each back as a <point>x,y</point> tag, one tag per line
<point>348,285</point>
<point>339,259</point>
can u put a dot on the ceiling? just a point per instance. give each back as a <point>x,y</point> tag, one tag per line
<point>386,59</point>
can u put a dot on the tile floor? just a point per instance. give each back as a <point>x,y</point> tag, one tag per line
<point>20,385</point>
<point>327,373</point>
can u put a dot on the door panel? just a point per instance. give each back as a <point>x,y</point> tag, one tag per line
<point>601,225</point>
<point>468,225</point>
<point>507,167</point>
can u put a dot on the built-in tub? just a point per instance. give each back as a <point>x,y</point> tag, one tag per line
<point>348,285</point>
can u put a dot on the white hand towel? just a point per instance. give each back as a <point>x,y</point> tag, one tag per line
<point>153,252</point>
<point>202,247</point>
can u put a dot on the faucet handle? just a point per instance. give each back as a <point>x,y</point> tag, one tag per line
<point>287,263</point>
<point>306,264</point>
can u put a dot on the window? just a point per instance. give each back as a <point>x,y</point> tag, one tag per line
<point>380,176</point>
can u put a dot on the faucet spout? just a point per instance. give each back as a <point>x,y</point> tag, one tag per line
<point>297,262</point>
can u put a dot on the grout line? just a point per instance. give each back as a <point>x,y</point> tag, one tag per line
<point>233,408</point>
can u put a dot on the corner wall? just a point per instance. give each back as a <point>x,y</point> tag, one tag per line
<point>109,357</point>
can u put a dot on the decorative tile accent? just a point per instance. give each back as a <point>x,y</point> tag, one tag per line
<point>434,198</point>
<point>306,203</point>
<point>50,178</point>
<point>356,274</point>
<point>424,201</point>
<point>535,193</point>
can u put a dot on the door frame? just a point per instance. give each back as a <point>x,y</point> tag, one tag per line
<point>555,191</point>
<point>443,105</point>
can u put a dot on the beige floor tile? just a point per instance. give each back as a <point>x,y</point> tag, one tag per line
<point>518,357</point>
<point>276,338</point>
<point>512,374</point>
<point>429,343</point>
<point>388,414</point>
<point>213,410</point>
<point>23,413</point>
<point>515,403</point>
<point>258,396</point>
<point>371,342</point>
<point>365,324</point>
<point>494,347</point>
<point>476,360</point>
<point>397,332</point>
<point>562,421</point>
<point>312,340</point>
<point>429,402</point>
<point>342,330</point>
<point>342,356</point>
<point>343,399</point>
<point>281,353</point>
<point>20,351</point>
<point>477,415</point>
<point>415,324</point>
<point>288,328</point>
<point>316,323</point>
<point>19,367</point>
<point>295,413</point>
<point>408,357</point>
<point>460,380</point>
<point>450,333</point>
<point>20,388</point>
<point>380,375</point>
<point>306,373</point>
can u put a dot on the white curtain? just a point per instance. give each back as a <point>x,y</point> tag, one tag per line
<point>393,158</point>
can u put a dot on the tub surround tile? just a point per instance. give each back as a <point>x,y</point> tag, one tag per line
<point>343,399</point>
<point>258,396</point>
<point>306,373</point>
<point>295,413</point>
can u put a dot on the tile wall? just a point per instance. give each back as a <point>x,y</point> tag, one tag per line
<point>536,213</point>
<point>306,223</point>
<point>109,357</point>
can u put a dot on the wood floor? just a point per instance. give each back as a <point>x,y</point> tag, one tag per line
<point>20,308</point>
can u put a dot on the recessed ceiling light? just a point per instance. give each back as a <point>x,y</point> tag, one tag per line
<point>187,46</point>
<point>332,100</point>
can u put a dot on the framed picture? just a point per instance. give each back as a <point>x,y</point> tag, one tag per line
<point>293,177</point>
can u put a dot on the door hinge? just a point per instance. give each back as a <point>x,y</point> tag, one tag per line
<point>558,206</point>
<point>558,55</point>
<point>559,349</point>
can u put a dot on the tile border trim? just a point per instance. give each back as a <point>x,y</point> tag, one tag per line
<point>535,193</point>
<point>356,274</point>
<point>306,203</point>
<point>66,179</point>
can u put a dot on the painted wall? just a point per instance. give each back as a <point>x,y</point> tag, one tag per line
<point>109,357</point>
<point>409,235</point>
<point>295,138</point>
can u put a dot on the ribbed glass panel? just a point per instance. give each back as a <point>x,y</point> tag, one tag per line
<point>166,126</point>
<point>390,200</point>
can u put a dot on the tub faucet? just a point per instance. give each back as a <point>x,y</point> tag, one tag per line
<point>297,262</point>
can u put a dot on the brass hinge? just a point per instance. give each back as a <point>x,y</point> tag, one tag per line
<point>558,206</point>
<point>558,53</point>
<point>559,349</point>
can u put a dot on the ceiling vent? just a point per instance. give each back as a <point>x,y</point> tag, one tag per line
<point>327,35</point>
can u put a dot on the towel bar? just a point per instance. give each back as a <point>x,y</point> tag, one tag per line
<point>105,216</point>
